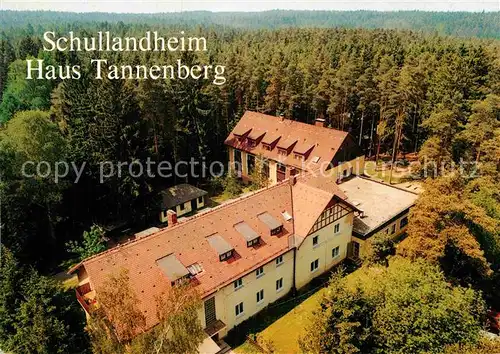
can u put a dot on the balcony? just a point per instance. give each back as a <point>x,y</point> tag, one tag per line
<point>86,297</point>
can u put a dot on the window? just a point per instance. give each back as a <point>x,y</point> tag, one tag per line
<point>238,309</point>
<point>259,272</point>
<point>265,168</point>
<point>226,255</point>
<point>253,242</point>
<point>279,260</point>
<point>260,296</point>
<point>314,265</point>
<point>281,167</point>
<point>277,230</point>
<point>393,228</point>
<point>238,283</point>
<point>282,152</point>
<point>251,142</point>
<point>237,162</point>
<point>267,147</point>
<point>336,228</point>
<point>403,222</point>
<point>298,157</point>
<point>279,284</point>
<point>315,240</point>
<point>182,206</point>
<point>200,200</point>
<point>250,163</point>
<point>335,252</point>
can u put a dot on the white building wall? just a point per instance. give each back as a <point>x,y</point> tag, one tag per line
<point>327,240</point>
<point>228,297</point>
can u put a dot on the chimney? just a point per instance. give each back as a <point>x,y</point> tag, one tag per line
<point>319,122</point>
<point>171,217</point>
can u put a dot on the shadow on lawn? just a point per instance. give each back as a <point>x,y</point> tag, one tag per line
<point>276,310</point>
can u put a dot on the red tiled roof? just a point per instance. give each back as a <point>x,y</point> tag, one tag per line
<point>325,141</point>
<point>187,241</point>
<point>308,204</point>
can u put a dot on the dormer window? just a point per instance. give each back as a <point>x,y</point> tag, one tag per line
<point>302,150</point>
<point>267,147</point>
<point>285,147</point>
<point>277,230</point>
<point>298,157</point>
<point>225,256</point>
<point>173,269</point>
<point>241,133</point>
<point>251,142</point>
<point>221,246</point>
<point>253,242</point>
<point>251,237</point>
<point>275,227</point>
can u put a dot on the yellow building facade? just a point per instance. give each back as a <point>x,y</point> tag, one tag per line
<point>245,297</point>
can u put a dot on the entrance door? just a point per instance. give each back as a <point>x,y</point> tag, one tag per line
<point>210,314</point>
<point>355,249</point>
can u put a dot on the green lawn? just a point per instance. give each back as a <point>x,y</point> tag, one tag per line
<point>224,197</point>
<point>68,281</point>
<point>285,322</point>
<point>286,330</point>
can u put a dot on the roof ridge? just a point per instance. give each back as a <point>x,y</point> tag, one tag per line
<point>295,121</point>
<point>192,218</point>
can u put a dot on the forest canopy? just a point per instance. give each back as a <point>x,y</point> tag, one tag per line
<point>463,24</point>
<point>396,91</point>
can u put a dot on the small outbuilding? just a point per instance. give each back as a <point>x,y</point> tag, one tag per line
<point>182,199</point>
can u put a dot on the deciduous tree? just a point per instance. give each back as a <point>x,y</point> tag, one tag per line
<point>404,308</point>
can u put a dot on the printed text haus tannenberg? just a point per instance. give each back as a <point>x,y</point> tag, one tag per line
<point>250,252</point>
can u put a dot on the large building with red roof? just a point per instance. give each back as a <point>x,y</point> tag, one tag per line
<point>252,251</point>
<point>289,147</point>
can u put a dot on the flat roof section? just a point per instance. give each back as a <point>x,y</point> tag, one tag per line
<point>172,267</point>
<point>379,202</point>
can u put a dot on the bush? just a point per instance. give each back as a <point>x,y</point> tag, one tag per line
<point>407,307</point>
<point>232,185</point>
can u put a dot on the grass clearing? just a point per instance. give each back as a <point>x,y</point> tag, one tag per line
<point>284,323</point>
<point>224,197</point>
<point>285,332</point>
